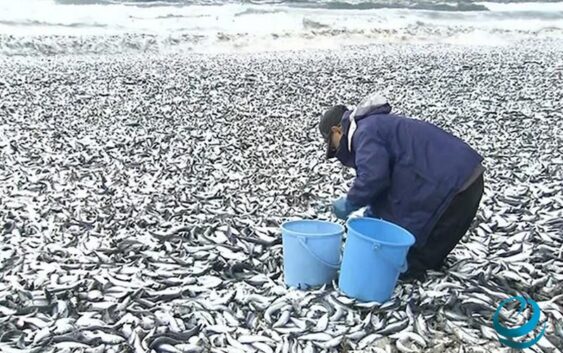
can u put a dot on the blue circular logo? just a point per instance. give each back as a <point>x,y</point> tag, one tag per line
<point>508,334</point>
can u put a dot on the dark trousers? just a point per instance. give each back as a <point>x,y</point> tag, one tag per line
<point>448,231</point>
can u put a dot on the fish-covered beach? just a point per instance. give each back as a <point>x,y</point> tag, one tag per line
<point>142,194</point>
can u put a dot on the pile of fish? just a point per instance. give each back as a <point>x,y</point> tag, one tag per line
<point>141,200</point>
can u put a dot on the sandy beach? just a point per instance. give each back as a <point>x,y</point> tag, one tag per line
<point>141,198</point>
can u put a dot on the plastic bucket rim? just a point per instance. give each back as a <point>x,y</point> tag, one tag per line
<point>411,241</point>
<point>298,234</point>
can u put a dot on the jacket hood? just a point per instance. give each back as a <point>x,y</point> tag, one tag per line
<point>372,104</point>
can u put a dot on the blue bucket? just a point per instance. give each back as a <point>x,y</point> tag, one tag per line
<point>374,255</point>
<point>311,252</point>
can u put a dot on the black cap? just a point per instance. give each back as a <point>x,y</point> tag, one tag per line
<point>332,117</point>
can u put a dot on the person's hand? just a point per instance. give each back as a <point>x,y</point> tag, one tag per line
<point>342,208</point>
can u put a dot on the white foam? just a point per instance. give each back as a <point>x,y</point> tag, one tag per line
<point>477,37</point>
<point>279,26</point>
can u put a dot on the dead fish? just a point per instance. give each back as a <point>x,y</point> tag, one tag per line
<point>121,217</point>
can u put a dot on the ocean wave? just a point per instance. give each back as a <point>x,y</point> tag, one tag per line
<point>52,24</point>
<point>169,16</point>
<point>85,2</point>
<point>331,5</point>
<point>524,5</point>
<point>145,3</point>
<point>492,16</point>
<point>112,2</point>
<point>255,11</point>
<point>527,15</point>
<point>311,24</point>
<point>338,5</point>
<point>551,29</point>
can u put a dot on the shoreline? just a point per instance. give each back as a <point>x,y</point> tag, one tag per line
<point>138,44</point>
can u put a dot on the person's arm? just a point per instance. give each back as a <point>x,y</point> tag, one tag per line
<point>372,169</point>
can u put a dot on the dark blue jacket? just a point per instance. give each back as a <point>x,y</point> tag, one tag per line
<point>407,170</point>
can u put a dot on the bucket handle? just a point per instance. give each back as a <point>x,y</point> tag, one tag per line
<point>303,242</point>
<point>401,269</point>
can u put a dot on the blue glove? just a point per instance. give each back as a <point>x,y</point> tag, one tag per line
<point>342,208</point>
